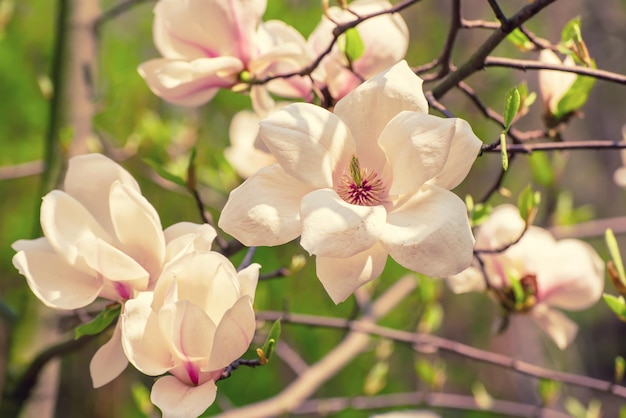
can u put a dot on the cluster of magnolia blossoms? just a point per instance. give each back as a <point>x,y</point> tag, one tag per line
<point>370,180</point>
<point>103,239</point>
<point>534,274</point>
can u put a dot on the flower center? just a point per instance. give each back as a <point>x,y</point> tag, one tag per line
<point>521,296</point>
<point>361,187</point>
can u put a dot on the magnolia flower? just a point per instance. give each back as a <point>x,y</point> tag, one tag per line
<point>554,84</point>
<point>368,181</point>
<point>564,274</point>
<point>102,238</point>
<point>198,320</point>
<point>212,44</point>
<point>385,40</point>
<point>619,177</point>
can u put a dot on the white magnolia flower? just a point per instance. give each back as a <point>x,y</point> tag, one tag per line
<point>368,181</point>
<point>198,320</point>
<point>385,40</point>
<point>211,44</point>
<point>565,274</point>
<point>102,238</point>
<point>554,84</point>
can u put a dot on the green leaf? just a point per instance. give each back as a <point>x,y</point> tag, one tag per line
<point>541,168</point>
<point>575,408</point>
<point>376,379</point>
<point>481,396</point>
<point>616,256</point>
<point>571,31</point>
<point>271,340</point>
<point>620,367</point>
<point>100,322</point>
<point>549,391</point>
<point>617,305</point>
<point>503,152</point>
<point>165,174</point>
<point>141,397</point>
<point>354,46</point>
<point>527,203</point>
<point>521,41</point>
<point>576,96</point>
<point>425,371</point>
<point>431,318</point>
<point>622,412</point>
<point>511,107</point>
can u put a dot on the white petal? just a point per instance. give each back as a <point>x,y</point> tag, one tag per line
<point>619,177</point>
<point>463,151</point>
<point>554,84</point>
<point>368,108</point>
<point>178,400</point>
<point>265,209</point>
<point>56,283</point>
<point>342,276</point>
<point>334,228</point>
<point>233,335</point>
<point>310,143</point>
<point>185,237</point>
<point>429,233</point>
<point>190,83</point>
<point>248,279</point>
<point>469,280</point>
<point>504,226</point>
<point>89,179</point>
<point>109,361</point>
<point>243,155</point>
<point>417,147</point>
<point>559,327</point>
<point>142,339</point>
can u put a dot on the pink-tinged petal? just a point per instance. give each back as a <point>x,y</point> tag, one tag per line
<point>342,276</point>
<point>188,330</point>
<point>142,339</point>
<point>429,233</point>
<point>310,143</point>
<point>248,279</point>
<point>190,83</point>
<point>417,147</point>
<point>109,361</point>
<point>233,335</point>
<point>503,227</point>
<point>619,177</point>
<point>368,109</point>
<point>185,237</point>
<point>175,399</point>
<point>262,104</point>
<point>89,179</point>
<point>137,227</point>
<point>469,280</point>
<point>463,151</point>
<point>571,276</point>
<point>559,327</point>
<point>66,223</point>
<point>334,228</point>
<point>265,209</point>
<point>554,84</point>
<point>56,283</point>
<point>242,155</point>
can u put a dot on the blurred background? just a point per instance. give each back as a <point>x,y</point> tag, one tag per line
<point>105,103</point>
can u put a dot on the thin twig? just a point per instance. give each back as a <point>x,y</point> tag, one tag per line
<point>115,11</point>
<point>556,146</point>
<point>504,22</point>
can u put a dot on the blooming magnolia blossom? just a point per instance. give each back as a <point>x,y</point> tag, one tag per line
<point>385,40</point>
<point>565,274</point>
<point>554,84</point>
<point>368,181</point>
<point>102,238</point>
<point>198,320</point>
<point>211,44</point>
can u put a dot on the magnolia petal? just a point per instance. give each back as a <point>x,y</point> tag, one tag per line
<point>334,228</point>
<point>503,227</point>
<point>109,361</point>
<point>142,339</point>
<point>463,151</point>
<point>368,108</point>
<point>342,276</point>
<point>188,330</point>
<point>248,279</point>
<point>233,335</point>
<point>242,155</point>
<point>137,227</point>
<point>559,327</point>
<point>571,276</point>
<point>310,143</point>
<point>619,177</point>
<point>554,84</point>
<point>89,179</point>
<point>190,83</point>
<point>417,147</point>
<point>178,400</point>
<point>56,283</point>
<point>429,233</point>
<point>469,280</point>
<point>66,223</point>
<point>265,209</point>
<point>185,237</point>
